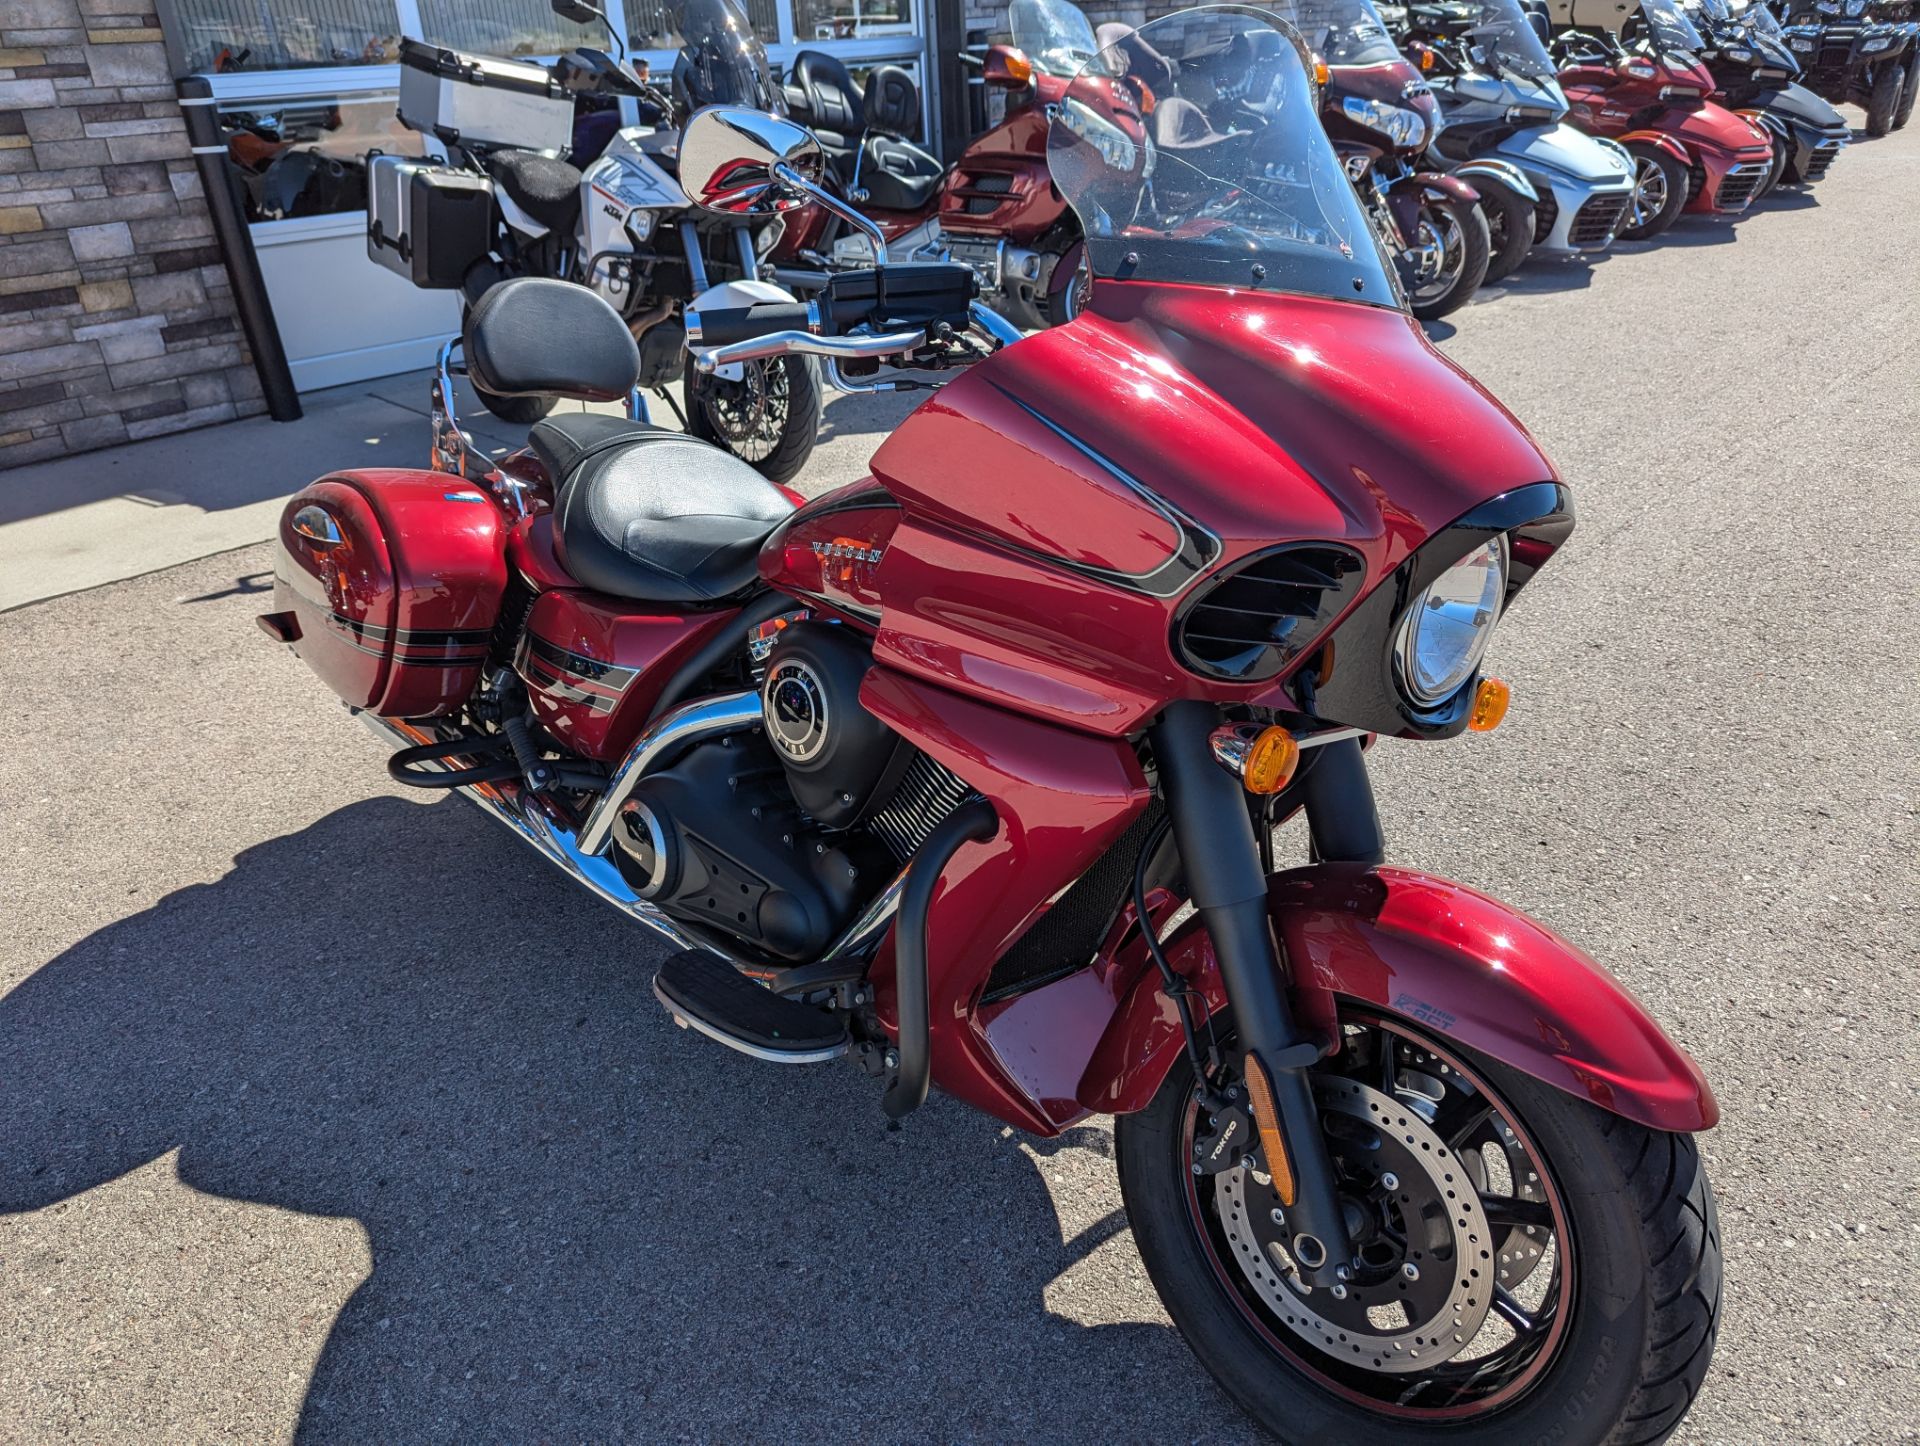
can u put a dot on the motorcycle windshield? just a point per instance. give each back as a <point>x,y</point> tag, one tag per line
<point>1670,29</point>
<point>722,61</point>
<point>1757,18</point>
<point>1342,32</point>
<point>1502,41</point>
<point>1055,36</point>
<point>1191,150</point>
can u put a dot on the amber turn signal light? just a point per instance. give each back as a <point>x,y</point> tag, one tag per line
<point>1264,758</point>
<point>1320,72</point>
<point>1490,701</point>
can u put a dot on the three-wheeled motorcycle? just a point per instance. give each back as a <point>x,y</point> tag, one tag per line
<point>1754,68</point>
<point>1544,185</point>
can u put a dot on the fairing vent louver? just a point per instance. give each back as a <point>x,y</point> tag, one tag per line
<point>924,797</point>
<point>1250,623</point>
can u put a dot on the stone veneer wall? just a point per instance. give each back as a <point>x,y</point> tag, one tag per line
<point>116,318</point>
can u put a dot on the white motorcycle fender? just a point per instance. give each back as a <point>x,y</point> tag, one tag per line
<point>738,293</point>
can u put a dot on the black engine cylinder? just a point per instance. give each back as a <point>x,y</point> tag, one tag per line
<point>836,753</point>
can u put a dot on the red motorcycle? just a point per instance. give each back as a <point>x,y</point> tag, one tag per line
<point>1648,90</point>
<point>927,771</point>
<point>995,211</point>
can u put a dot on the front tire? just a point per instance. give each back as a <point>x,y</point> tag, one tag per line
<point>769,419</point>
<point>1659,193</point>
<point>1632,1262</point>
<point>1448,260</point>
<point>1782,154</point>
<point>1909,93</point>
<point>1883,101</point>
<point>1509,218</point>
<point>1070,286</point>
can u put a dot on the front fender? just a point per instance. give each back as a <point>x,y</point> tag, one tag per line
<point>1444,957</point>
<point>1439,186</point>
<point>1660,140</point>
<point>1500,173</point>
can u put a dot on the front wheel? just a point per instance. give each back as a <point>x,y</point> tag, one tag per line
<point>1883,101</point>
<point>1447,261</point>
<point>1530,1268</point>
<point>1509,228</point>
<point>1659,193</point>
<point>1782,153</point>
<point>1070,286</point>
<point>769,418</point>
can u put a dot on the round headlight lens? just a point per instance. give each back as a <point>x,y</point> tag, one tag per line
<point>1447,629</point>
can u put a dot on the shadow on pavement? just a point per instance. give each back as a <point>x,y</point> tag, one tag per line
<point>584,1223</point>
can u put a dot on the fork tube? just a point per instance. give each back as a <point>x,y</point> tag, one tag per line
<point>1221,862</point>
<point>696,263</point>
<point>1341,818</point>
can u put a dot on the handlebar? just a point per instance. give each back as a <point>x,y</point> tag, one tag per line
<point>724,325</point>
<point>785,343</point>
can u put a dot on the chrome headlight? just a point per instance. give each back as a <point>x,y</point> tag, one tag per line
<point>1447,629</point>
<point>1405,128</point>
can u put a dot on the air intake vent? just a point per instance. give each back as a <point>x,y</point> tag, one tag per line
<point>926,794</point>
<point>1253,621</point>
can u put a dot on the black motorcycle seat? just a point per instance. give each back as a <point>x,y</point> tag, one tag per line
<point>831,103</point>
<point>897,175</point>
<point>540,336</point>
<point>545,187</point>
<point>892,102</point>
<point>653,515</point>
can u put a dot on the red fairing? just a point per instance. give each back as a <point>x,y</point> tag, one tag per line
<point>1063,798</point>
<point>1446,957</point>
<point>829,551</point>
<point>1624,102</point>
<point>1018,199</point>
<point>594,666</point>
<point>398,616</point>
<point>1274,418</point>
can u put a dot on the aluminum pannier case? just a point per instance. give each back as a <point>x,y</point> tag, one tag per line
<point>425,221</point>
<point>477,100</point>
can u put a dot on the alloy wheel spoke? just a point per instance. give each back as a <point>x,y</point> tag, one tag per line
<point>1509,1210</point>
<point>1509,1309</point>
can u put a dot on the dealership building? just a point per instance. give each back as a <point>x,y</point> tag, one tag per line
<point>118,312</point>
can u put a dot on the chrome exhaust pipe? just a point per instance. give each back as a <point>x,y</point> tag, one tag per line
<point>534,823</point>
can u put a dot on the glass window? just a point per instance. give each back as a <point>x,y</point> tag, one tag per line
<point>653,24</point>
<point>504,27</point>
<point>307,157</point>
<point>815,20</point>
<point>240,35</point>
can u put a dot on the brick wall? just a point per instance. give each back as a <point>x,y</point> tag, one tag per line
<point>116,320</point>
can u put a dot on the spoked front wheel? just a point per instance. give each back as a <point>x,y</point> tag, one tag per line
<point>769,417</point>
<point>1530,1268</point>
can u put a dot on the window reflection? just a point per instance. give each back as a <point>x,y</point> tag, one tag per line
<point>308,157</point>
<point>504,27</point>
<point>241,35</point>
<point>815,20</point>
<point>650,23</point>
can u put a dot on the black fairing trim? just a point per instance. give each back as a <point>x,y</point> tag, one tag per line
<point>1355,685</point>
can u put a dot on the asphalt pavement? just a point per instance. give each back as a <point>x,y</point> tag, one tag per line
<point>326,1111</point>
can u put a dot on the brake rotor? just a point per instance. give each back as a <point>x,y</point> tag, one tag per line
<point>1425,1283</point>
<point>748,412</point>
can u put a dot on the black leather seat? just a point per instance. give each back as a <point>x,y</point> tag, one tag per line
<point>654,515</point>
<point>545,187</point>
<point>895,173</point>
<point>824,97</point>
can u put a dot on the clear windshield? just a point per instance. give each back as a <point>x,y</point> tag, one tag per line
<point>1670,28</point>
<point>1056,36</point>
<point>1502,41</point>
<point>722,61</point>
<point>1341,32</point>
<point>1191,150</point>
<point>1757,18</point>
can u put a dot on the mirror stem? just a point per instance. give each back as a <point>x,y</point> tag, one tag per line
<point>787,176</point>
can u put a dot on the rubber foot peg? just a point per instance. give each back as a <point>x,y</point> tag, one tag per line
<point>704,992</point>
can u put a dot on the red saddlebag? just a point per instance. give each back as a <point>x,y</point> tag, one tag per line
<point>393,578</point>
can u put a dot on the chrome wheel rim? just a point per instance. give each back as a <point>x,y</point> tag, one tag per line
<point>1440,253</point>
<point>1649,192</point>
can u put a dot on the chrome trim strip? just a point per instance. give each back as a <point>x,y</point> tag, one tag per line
<point>724,714</point>
<point>771,1056</point>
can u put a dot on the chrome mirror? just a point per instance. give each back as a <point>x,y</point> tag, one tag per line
<point>743,162</point>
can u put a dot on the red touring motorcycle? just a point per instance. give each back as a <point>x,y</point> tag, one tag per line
<point>1649,92</point>
<point>926,771</point>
